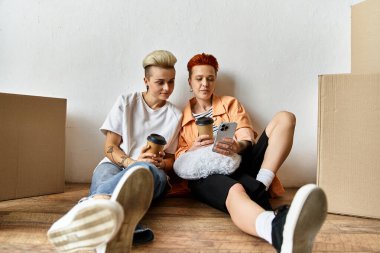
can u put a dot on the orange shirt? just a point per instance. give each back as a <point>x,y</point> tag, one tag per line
<point>225,109</point>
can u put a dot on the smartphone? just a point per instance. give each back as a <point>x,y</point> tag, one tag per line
<point>225,129</point>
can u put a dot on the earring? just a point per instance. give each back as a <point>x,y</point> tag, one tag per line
<point>191,90</point>
<point>147,88</point>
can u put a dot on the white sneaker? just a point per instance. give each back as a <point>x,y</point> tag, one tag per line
<point>294,229</point>
<point>87,225</point>
<point>134,193</point>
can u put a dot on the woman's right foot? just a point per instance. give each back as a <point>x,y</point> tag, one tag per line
<point>134,193</point>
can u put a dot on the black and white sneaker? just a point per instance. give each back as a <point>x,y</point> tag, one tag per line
<point>294,228</point>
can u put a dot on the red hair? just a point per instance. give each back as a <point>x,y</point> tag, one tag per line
<point>203,59</point>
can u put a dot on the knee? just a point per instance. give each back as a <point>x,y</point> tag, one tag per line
<point>234,191</point>
<point>105,171</point>
<point>287,119</point>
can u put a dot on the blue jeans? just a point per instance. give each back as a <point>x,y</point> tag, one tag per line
<point>107,175</point>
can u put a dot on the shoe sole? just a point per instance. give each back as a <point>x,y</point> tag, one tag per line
<point>134,193</point>
<point>306,215</point>
<point>90,226</point>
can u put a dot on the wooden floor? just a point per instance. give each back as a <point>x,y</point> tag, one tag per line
<point>180,226</point>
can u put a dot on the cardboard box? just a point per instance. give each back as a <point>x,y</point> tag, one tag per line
<point>365,32</point>
<point>349,143</point>
<point>32,146</point>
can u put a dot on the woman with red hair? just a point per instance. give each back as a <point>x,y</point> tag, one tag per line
<point>244,194</point>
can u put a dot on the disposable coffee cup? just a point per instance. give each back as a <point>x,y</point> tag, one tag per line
<point>205,126</point>
<point>156,143</point>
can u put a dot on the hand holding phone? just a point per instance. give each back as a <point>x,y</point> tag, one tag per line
<point>225,130</point>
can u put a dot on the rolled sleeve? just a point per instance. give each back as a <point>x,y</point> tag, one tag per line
<point>114,120</point>
<point>244,130</point>
<point>245,134</point>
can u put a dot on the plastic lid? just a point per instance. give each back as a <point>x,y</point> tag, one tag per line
<point>157,139</point>
<point>204,121</point>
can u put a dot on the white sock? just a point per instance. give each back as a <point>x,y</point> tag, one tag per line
<point>265,176</point>
<point>264,225</point>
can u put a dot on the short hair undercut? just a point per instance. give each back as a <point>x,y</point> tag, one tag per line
<point>158,58</point>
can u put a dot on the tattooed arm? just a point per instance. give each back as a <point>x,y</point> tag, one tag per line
<point>117,156</point>
<point>114,153</point>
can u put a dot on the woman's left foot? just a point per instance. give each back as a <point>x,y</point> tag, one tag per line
<point>294,228</point>
<point>89,224</point>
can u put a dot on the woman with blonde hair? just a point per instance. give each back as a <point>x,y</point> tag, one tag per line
<point>130,176</point>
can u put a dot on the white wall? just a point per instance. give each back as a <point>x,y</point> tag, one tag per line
<point>89,51</point>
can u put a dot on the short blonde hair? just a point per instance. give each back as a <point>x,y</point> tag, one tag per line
<point>159,58</point>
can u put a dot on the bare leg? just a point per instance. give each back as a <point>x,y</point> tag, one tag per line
<point>280,132</point>
<point>242,209</point>
<point>101,196</point>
